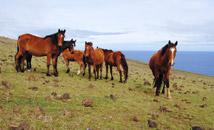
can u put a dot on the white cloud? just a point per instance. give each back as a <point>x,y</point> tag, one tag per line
<point>141,23</point>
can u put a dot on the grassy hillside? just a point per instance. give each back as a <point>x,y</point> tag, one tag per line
<point>191,104</point>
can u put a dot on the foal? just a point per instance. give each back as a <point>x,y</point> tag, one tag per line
<point>160,64</point>
<point>95,58</point>
<point>77,56</point>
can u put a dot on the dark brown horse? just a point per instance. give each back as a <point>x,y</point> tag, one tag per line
<point>78,57</point>
<point>95,58</point>
<point>115,59</point>
<point>49,46</point>
<point>160,64</point>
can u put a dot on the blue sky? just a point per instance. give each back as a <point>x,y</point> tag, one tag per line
<point>115,24</point>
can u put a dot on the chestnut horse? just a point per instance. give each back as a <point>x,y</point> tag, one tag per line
<point>77,56</point>
<point>95,58</point>
<point>67,45</point>
<point>160,64</point>
<point>115,59</point>
<point>49,46</point>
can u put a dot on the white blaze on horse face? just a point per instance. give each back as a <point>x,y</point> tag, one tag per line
<point>61,36</point>
<point>172,52</point>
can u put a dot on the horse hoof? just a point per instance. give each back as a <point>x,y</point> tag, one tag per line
<point>112,78</point>
<point>56,75</point>
<point>169,97</point>
<point>48,74</point>
<point>22,70</point>
<point>83,74</point>
<point>68,71</point>
<point>120,81</point>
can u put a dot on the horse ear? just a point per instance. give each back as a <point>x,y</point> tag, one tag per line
<point>58,30</point>
<point>64,30</point>
<point>169,43</point>
<point>176,43</point>
<point>85,43</point>
<point>91,44</point>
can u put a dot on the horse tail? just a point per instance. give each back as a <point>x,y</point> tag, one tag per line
<point>124,65</point>
<point>84,61</point>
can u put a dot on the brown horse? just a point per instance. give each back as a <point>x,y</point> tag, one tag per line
<point>78,56</point>
<point>95,58</point>
<point>67,45</point>
<point>49,46</point>
<point>115,59</point>
<point>160,64</point>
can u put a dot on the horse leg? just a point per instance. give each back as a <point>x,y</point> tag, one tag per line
<point>28,57</point>
<point>67,65</point>
<point>97,69</point>
<point>156,80</point>
<point>83,70</point>
<point>56,65</point>
<point>163,90</point>
<point>79,71</point>
<point>118,68</point>
<point>48,65</point>
<point>17,60</point>
<point>101,70</point>
<point>89,72</point>
<point>159,82</point>
<point>106,71</point>
<point>167,85</point>
<point>54,61</point>
<point>112,78</point>
<point>22,63</point>
<point>94,66</point>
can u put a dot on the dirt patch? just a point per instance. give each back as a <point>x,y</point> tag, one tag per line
<point>113,97</point>
<point>152,124</point>
<point>7,85</point>
<point>65,96</point>
<point>31,78</point>
<point>33,88</point>
<point>87,102</point>
<point>136,118</point>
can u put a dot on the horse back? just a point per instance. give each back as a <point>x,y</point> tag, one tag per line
<point>35,45</point>
<point>77,56</point>
<point>99,56</point>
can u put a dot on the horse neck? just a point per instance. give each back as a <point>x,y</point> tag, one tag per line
<point>92,54</point>
<point>65,45</point>
<point>165,59</point>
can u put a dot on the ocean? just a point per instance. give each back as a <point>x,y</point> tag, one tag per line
<point>191,61</point>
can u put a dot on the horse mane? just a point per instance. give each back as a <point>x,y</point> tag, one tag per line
<point>54,38</point>
<point>106,50</point>
<point>164,49</point>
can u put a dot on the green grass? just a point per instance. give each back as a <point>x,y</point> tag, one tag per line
<point>105,114</point>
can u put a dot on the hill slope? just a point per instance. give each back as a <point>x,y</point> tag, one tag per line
<point>191,103</point>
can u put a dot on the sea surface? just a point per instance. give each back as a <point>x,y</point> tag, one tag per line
<point>191,61</point>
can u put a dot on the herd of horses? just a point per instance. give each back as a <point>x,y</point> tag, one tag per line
<point>53,45</point>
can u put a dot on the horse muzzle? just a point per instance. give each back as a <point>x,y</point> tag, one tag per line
<point>171,64</point>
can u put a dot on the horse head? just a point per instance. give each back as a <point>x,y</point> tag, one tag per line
<point>60,37</point>
<point>88,48</point>
<point>172,52</point>
<point>72,44</point>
